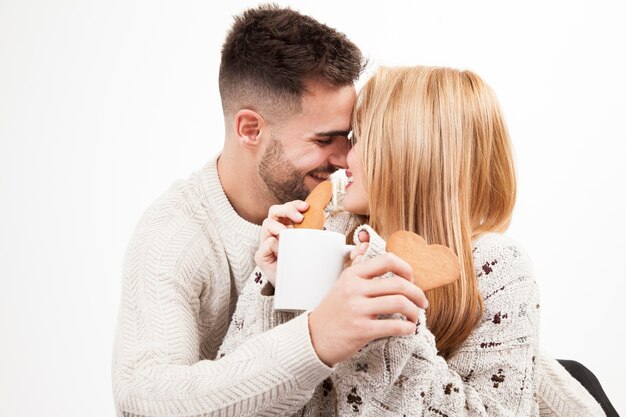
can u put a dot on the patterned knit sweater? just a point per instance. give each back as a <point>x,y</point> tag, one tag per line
<point>493,373</point>
<point>185,265</point>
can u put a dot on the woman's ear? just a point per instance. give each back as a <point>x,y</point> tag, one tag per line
<point>248,125</point>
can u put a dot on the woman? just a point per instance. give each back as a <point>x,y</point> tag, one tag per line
<point>431,154</point>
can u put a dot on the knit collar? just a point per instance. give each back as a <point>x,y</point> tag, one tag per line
<point>224,211</point>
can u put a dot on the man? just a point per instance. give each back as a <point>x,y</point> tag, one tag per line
<point>286,83</point>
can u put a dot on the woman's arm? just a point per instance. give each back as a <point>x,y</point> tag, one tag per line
<point>491,374</point>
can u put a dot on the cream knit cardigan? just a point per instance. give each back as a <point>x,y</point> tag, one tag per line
<point>497,371</point>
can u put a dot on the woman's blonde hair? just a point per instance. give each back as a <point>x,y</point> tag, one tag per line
<point>437,161</point>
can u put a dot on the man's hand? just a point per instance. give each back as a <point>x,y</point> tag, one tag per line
<point>347,318</point>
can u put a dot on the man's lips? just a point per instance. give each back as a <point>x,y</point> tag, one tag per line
<point>320,176</point>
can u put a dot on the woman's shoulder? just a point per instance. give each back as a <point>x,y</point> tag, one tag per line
<point>500,260</point>
<point>509,292</point>
<point>492,244</point>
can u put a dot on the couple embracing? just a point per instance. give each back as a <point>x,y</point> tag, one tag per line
<point>426,150</point>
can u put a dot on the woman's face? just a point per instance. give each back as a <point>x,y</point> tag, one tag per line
<point>355,200</point>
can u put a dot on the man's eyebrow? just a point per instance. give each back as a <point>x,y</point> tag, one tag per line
<point>333,133</point>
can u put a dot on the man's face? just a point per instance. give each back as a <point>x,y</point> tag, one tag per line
<point>309,146</point>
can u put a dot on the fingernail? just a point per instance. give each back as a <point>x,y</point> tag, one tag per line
<point>426,305</point>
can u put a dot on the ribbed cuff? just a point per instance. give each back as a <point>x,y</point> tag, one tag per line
<point>297,355</point>
<point>341,221</point>
<point>377,244</point>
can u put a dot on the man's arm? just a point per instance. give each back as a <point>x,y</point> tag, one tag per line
<point>170,267</point>
<point>274,366</point>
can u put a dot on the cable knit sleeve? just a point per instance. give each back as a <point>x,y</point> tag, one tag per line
<point>491,374</point>
<point>254,317</point>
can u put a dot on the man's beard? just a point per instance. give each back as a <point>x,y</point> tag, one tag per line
<point>281,177</point>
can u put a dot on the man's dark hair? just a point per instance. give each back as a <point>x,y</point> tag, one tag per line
<point>270,53</point>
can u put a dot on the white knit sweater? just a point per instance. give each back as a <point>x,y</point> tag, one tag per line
<point>185,265</point>
<point>493,372</point>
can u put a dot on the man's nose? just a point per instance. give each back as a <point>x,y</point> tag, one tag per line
<point>339,153</point>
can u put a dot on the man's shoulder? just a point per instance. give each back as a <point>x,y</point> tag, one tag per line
<point>177,220</point>
<point>184,199</point>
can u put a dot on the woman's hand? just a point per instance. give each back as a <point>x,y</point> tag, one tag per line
<point>347,318</point>
<point>357,253</point>
<point>279,217</point>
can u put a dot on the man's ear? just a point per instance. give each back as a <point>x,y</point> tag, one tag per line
<point>248,125</point>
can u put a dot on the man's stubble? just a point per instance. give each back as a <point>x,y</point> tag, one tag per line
<point>280,176</point>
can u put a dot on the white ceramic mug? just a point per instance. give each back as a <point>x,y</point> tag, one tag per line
<point>309,262</point>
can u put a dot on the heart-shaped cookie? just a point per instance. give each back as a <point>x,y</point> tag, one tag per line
<point>433,265</point>
<point>318,199</point>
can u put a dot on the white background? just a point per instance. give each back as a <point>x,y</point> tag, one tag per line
<point>104,104</point>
